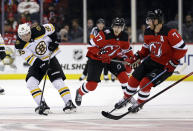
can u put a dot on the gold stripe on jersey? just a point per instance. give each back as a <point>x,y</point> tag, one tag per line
<point>53,29</point>
<point>32,59</point>
<point>39,37</point>
<point>43,58</point>
<point>2,44</point>
<point>26,45</point>
<point>27,57</point>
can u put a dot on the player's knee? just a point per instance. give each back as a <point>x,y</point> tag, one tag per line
<point>122,77</point>
<point>91,85</point>
<point>58,83</point>
<point>143,83</point>
<point>133,82</point>
<point>32,83</point>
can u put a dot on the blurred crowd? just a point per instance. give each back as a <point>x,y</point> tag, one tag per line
<point>69,29</point>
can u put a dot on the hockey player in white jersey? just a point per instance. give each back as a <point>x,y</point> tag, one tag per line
<point>36,45</point>
<point>2,56</point>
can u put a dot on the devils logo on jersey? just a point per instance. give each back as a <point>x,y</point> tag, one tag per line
<point>155,49</point>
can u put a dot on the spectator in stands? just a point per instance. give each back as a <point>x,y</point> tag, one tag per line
<point>173,23</point>
<point>10,8</point>
<point>128,31</point>
<point>76,32</point>
<point>11,22</point>
<point>29,7</point>
<point>140,35</point>
<point>188,29</point>
<point>64,34</point>
<point>90,25</point>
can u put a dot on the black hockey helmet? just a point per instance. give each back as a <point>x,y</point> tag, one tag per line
<point>118,22</point>
<point>155,14</point>
<point>100,20</point>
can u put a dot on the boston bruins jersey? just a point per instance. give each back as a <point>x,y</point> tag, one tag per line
<point>2,48</point>
<point>37,47</point>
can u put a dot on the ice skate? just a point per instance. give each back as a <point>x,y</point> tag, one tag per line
<point>70,107</point>
<point>113,77</point>
<point>43,110</point>
<point>124,102</point>
<point>135,106</point>
<point>78,98</point>
<point>106,78</point>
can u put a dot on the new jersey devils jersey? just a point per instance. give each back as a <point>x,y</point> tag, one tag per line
<point>164,46</point>
<point>107,38</point>
<point>41,36</point>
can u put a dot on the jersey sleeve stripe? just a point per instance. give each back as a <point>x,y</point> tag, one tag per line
<point>26,59</point>
<point>32,60</point>
<point>26,45</point>
<point>53,29</point>
<point>45,57</point>
<point>92,42</point>
<point>180,45</point>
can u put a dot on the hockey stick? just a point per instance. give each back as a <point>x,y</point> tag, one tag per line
<point>41,106</point>
<point>119,61</point>
<point>110,116</point>
<point>105,114</point>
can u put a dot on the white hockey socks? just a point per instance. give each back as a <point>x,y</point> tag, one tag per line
<point>62,89</point>
<point>32,85</point>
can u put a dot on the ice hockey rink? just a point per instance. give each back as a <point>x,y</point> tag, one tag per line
<point>171,111</point>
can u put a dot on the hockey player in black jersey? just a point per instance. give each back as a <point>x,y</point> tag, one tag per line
<point>37,45</point>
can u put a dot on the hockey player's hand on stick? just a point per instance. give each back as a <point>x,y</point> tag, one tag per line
<point>42,65</point>
<point>53,46</point>
<point>171,65</point>
<point>134,61</point>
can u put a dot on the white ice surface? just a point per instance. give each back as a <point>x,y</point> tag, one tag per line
<point>17,108</point>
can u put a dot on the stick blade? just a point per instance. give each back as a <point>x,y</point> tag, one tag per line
<point>110,116</point>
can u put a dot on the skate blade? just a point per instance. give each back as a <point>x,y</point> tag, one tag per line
<point>46,112</point>
<point>68,111</point>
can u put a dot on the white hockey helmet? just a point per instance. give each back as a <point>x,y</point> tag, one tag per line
<point>23,29</point>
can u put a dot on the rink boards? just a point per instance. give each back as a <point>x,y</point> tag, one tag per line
<point>72,59</point>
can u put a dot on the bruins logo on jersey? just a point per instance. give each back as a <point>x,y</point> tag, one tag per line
<point>41,48</point>
<point>47,28</point>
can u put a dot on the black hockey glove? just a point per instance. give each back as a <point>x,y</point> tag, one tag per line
<point>53,46</point>
<point>2,55</point>
<point>42,65</point>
